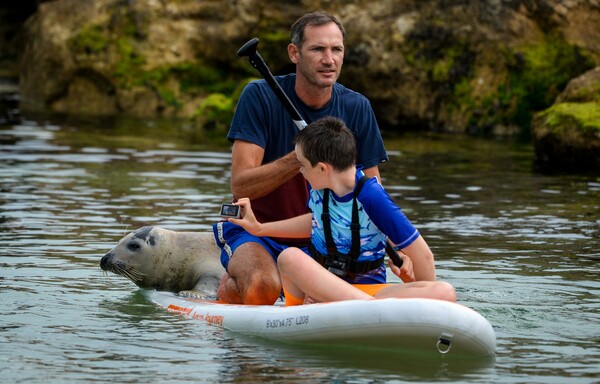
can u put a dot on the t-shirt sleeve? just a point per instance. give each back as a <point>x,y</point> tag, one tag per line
<point>261,119</point>
<point>249,118</point>
<point>371,151</point>
<point>386,215</point>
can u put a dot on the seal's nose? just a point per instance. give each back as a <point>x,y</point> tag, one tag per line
<point>105,261</point>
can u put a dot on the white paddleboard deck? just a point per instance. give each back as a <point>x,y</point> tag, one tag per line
<point>386,324</point>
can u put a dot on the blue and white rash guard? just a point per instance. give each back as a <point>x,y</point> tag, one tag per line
<point>379,218</point>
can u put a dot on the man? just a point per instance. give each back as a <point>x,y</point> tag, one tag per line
<point>264,167</point>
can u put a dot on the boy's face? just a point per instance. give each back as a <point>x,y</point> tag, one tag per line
<point>310,173</point>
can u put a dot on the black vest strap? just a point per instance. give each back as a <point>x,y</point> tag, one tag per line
<point>354,226</point>
<point>349,260</point>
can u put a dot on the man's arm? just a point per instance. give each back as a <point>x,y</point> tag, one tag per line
<point>373,172</point>
<point>251,179</point>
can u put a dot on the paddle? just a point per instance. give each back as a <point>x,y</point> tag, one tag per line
<point>256,60</point>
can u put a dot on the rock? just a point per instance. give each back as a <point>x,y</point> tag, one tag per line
<point>144,58</point>
<point>567,135</point>
<point>482,66</point>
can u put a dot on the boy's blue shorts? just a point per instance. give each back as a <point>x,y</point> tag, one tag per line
<point>229,236</point>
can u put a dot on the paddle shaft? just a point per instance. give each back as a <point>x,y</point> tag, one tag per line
<point>256,60</point>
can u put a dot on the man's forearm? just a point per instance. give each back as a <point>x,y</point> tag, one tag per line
<point>259,181</point>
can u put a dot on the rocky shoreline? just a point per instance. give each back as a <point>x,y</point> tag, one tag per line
<point>490,67</point>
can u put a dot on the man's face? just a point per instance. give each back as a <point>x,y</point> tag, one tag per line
<point>321,57</point>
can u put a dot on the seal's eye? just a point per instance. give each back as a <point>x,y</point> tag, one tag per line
<point>133,246</point>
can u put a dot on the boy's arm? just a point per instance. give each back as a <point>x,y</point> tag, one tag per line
<point>296,227</point>
<point>391,220</point>
<point>422,258</point>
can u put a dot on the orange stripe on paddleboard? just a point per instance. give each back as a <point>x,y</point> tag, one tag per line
<point>178,309</point>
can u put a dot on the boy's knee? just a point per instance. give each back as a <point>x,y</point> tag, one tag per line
<point>285,259</point>
<point>283,256</point>
<point>446,291</point>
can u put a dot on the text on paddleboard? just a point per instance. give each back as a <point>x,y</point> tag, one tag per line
<point>287,322</point>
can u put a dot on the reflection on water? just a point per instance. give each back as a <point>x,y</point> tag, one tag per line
<point>521,248</point>
<point>305,361</point>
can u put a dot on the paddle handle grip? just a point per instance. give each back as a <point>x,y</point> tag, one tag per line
<point>393,255</point>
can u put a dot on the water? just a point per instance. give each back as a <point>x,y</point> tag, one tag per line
<point>521,248</point>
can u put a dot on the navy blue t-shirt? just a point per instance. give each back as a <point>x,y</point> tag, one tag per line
<point>261,119</point>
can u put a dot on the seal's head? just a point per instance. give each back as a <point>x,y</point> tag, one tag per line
<point>124,259</point>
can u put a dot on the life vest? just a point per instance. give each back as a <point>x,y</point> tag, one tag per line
<point>336,262</point>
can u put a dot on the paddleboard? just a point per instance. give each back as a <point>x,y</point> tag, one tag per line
<point>383,324</point>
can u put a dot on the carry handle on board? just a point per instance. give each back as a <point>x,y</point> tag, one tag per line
<point>249,50</point>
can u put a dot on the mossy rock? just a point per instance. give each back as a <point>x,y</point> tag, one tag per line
<point>567,137</point>
<point>536,74</point>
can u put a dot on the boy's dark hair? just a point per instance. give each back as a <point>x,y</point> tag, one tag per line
<point>328,140</point>
<point>313,18</point>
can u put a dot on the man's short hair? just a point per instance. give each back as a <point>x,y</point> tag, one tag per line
<point>312,18</point>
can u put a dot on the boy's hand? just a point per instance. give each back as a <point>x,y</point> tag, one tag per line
<point>248,220</point>
<point>406,273</point>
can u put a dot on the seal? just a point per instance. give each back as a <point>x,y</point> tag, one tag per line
<point>187,263</point>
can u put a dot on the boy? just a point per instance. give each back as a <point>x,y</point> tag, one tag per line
<point>342,198</point>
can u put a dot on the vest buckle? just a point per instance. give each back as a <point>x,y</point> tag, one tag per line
<point>336,266</point>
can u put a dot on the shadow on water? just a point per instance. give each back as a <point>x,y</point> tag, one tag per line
<point>132,309</point>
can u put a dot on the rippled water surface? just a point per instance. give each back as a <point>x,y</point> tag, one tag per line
<point>520,247</point>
